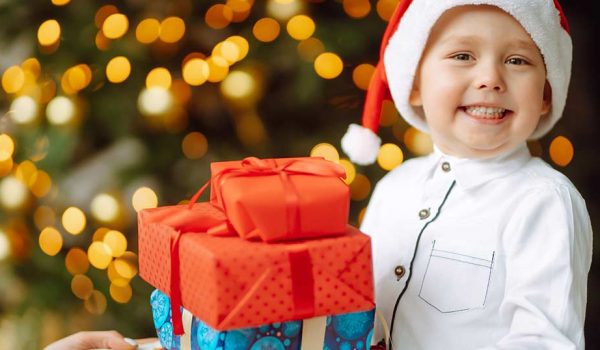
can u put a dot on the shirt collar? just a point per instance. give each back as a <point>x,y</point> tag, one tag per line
<point>474,172</point>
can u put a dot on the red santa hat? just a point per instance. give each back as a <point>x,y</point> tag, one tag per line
<point>402,46</point>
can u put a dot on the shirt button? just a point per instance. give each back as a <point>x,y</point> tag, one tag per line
<point>446,166</point>
<point>399,271</point>
<point>424,214</point>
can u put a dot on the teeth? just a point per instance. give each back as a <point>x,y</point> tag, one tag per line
<point>485,112</point>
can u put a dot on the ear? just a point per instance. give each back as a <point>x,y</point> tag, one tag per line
<point>547,98</point>
<point>415,95</point>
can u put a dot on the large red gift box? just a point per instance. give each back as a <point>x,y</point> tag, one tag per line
<point>282,199</point>
<point>231,282</point>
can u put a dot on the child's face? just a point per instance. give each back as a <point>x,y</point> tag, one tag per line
<point>476,57</point>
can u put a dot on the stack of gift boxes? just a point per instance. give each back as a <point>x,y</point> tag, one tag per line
<point>268,263</point>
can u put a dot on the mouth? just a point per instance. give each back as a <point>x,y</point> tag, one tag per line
<point>486,114</point>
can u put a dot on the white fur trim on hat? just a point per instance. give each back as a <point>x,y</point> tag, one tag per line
<point>541,20</point>
<point>361,144</point>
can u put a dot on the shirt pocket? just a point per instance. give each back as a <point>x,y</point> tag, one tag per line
<point>457,276</point>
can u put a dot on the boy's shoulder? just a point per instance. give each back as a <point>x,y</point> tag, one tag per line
<point>543,178</point>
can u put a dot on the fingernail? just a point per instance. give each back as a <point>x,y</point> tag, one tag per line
<point>131,342</point>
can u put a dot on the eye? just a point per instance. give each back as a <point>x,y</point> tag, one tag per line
<point>517,61</point>
<point>462,57</point>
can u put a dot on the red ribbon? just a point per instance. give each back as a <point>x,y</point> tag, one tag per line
<point>300,262</point>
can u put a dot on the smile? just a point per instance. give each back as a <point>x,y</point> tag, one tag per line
<point>486,114</point>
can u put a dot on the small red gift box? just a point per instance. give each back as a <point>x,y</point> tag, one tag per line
<point>230,282</point>
<point>282,199</point>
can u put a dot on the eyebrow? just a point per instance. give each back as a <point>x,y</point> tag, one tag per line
<point>469,39</point>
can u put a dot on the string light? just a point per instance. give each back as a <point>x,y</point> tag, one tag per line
<point>195,71</point>
<point>240,9</point>
<point>417,142</point>
<point>116,242</point>
<point>13,192</point>
<point>218,69</point>
<point>218,16</point>
<point>310,49</point>
<point>284,9</point>
<point>159,77</point>
<point>4,245</point>
<point>238,85</point>
<point>154,101</point>
<point>357,8</point>
<point>361,75</point>
<point>385,8</point>
<point>360,188</point>
<point>194,145</point>
<point>104,208</point>
<point>115,26</point>
<point>120,294</point>
<point>99,255</point>
<point>96,303</point>
<point>76,261</point>
<point>561,151</point>
<point>60,111</point>
<point>82,286</point>
<point>13,79</point>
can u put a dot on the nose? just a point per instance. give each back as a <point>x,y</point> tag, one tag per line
<point>489,77</point>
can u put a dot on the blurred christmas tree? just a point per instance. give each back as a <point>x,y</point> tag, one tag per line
<point>108,108</point>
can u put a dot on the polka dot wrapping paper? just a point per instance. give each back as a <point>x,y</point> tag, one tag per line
<point>231,283</point>
<point>282,199</point>
<point>350,331</point>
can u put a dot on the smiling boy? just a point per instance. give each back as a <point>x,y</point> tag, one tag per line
<point>478,245</point>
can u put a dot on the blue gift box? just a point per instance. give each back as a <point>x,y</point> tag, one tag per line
<point>351,331</point>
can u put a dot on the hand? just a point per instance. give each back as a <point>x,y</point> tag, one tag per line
<point>92,340</point>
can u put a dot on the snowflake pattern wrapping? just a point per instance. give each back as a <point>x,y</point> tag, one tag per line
<point>351,331</point>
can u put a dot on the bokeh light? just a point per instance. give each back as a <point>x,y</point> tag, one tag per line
<point>300,27</point>
<point>389,114</point>
<point>284,9</point>
<point>116,241</point>
<point>13,79</point>
<point>99,255</point>
<point>76,261</point>
<point>118,69</point>
<point>50,241</point>
<point>120,294</point>
<point>82,286</point>
<point>218,16</point>
<point>360,188</point>
<point>561,151</point>
<point>105,207</point>
<point>327,151</point>
<point>385,8</point>
<point>126,265</point>
<point>44,216</point>
<point>7,147</point>
<point>310,49</point>
<point>238,85</point>
<point>73,220</point>
<point>417,142</point>
<point>96,303</point>
<point>389,156</point>
<point>23,110</point>
<point>361,75</point>
<point>328,65</point>
<point>60,2</point>
<point>194,145</point>
<point>154,101</point>
<point>357,8</point>
<point>218,69</point>
<point>143,198</point>
<point>13,192</point>
<point>60,111</point>
<point>49,33</point>
<point>26,172</point>
<point>5,246</point>
<point>172,29</point>
<point>159,77</point>
<point>195,71</point>
<point>115,26</point>
<point>242,45</point>
<point>350,170</point>
<point>266,29</point>
<point>147,31</point>
<point>42,184</point>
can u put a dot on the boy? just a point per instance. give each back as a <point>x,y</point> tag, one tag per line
<point>478,245</point>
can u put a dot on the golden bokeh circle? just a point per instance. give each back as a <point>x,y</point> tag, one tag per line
<point>115,26</point>
<point>194,145</point>
<point>49,32</point>
<point>99,255</point>
<point>172,29</point>
<point>13,79</point>
<point>266,29</point>
<point>390,156</point>
<point>327,151</point>
<point>328,65</point>
<point>73,220</point>
<point>561,151</point>
<point>195,71</point>
<point>120,294</point>
<point>144,197</point>
<point>147,31</point>
<point>357,8</point>
<point>350,170</point>
<point>96,303</point>
<point>118,69</point>
<point>76,261</point>
<point>82,286</point>
<point>50,241</point>
<point>360,188</point>
<point>159,77</point>
<point>300,27</point>
<point>361,75</point>
<point>116,241</point>
<point>218,16</point>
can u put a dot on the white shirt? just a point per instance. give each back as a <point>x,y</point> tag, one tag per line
<point>502,260</point>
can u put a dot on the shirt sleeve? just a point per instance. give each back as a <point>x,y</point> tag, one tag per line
<point>548,245</point>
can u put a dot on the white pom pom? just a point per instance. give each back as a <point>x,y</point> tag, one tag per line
<point>361,144</point>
